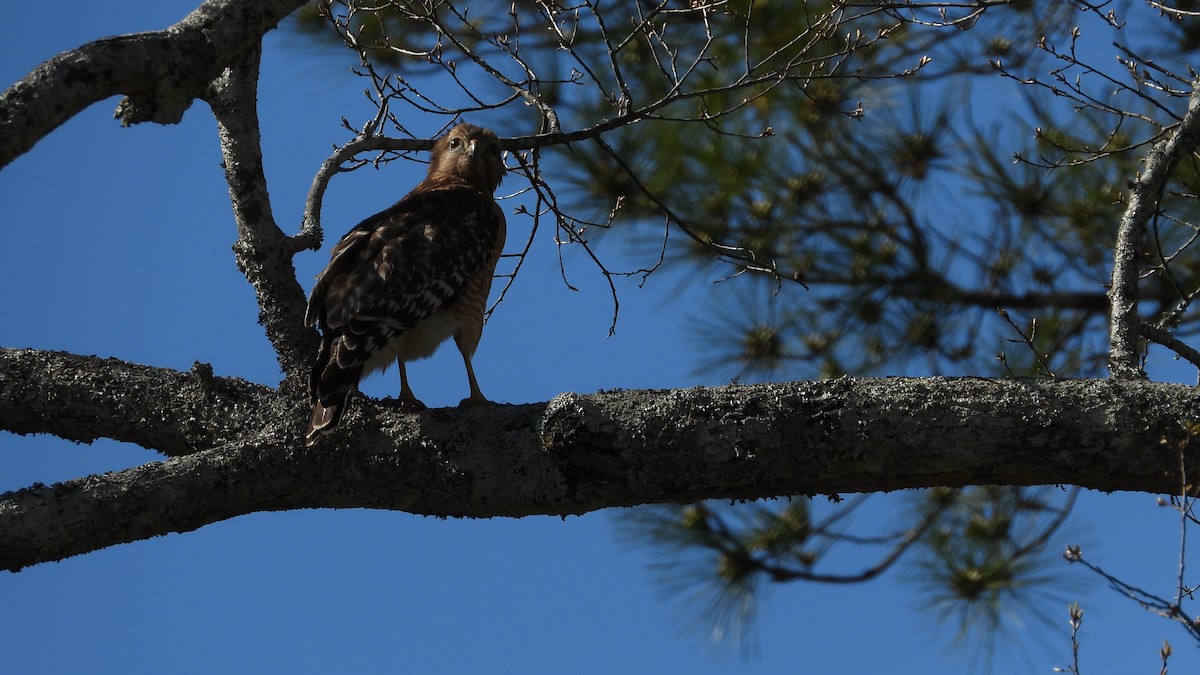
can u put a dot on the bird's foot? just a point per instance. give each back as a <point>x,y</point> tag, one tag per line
<point>411,402</point>
<point>473,400</point>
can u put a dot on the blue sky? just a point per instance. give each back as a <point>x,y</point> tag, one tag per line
<point>116,242</point>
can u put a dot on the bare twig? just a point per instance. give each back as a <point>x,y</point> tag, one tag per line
<point>1169,609</point>
<point>1076,614</point>
<point>1027,339</point>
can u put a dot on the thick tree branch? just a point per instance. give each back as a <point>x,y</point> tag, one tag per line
<point>1144,195</point>
<point>263,252</point>
<point>581,453</point>
<point>160,72</point>
<point>82,398</point>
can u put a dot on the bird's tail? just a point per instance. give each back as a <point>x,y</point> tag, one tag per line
<point>330,387</point>
<point>324,419</point>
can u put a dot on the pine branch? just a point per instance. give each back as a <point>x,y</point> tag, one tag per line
<point>577,453</point>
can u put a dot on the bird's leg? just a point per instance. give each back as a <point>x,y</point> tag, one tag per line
<point>407,398</point>
<point>476,396</point>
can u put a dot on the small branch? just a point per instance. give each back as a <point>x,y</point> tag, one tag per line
<point>1182,591</point>
<point>311,234</point>
<point>784,572</point>
<point>550,120</point>
<point>535,215</point>
<point>742,258</point>
<point>574,231</point>
<point>1145,193</point>
<point>1163,337</point>
<point>1168,609</point>
<point>1028,340</point>
<point>1158,605</point>
<point>1076,614</point>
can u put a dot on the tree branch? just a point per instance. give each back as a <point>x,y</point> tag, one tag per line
<point>160,72</point>
<point>1144,196</point>
<point>82,398</point>
<point>581,453</point>
<point>263,252</point>
<point>311,232</point>
<point>1163,337</point>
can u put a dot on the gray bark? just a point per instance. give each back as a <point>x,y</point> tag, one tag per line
<point>1144,196</point>
<point>263,252</point>
<point>572,455</point>
<point>82,398</point>
<point>160,73</point>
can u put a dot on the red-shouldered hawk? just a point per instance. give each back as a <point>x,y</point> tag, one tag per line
<point>405,279</point>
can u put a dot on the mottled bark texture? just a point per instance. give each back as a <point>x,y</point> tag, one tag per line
<point>572,455</point>
<point>1145,193</point>
<point>160,73</point>
<point>82,398</point>
<point>263,252</point>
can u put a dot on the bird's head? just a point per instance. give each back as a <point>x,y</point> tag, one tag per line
<point>471,153</point>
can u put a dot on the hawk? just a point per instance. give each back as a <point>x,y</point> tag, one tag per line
<point>407,278</point>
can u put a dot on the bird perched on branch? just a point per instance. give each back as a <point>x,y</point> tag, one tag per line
<point>405,279</point>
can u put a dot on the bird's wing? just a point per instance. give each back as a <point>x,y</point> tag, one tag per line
<point>403,264</point>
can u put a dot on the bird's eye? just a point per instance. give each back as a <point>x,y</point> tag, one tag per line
<point>455,143</point>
